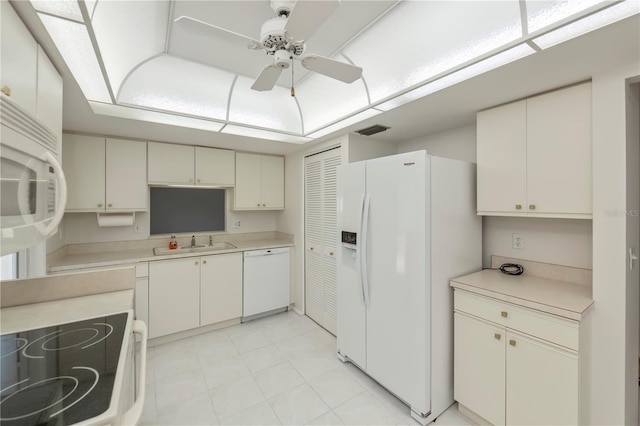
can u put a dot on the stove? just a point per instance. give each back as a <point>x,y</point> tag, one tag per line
<point>63,374</point>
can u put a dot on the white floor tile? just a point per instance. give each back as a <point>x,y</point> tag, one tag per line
<point>312,364</point>
<point>261,414</point>
<point>210,338</point>
<point>250,341</point>
<point>217,352</point>
<point>295,344</point>
<point>197,410</point>
<point>327,419</point>
<point>452,417</point>
<point>223,372</point>
<point>305,324</point>
<point>179,388</point>
<point>365,409</point>
<point>277,379</point>
<point>336,387</point>
<point>173,348</point>
<point>281,330</point>
<point>320,337</point>
<point>178,363</point>
<point>244,328</point>
<point>263,358</point>
<point>235,397</point>
<point>298,406</point>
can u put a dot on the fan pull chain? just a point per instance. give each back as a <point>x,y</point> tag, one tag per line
<point>293,91</point>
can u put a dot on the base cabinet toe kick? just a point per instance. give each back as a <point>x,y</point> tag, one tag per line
<point>516,365</point>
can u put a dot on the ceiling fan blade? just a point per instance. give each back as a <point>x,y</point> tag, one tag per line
<point>332,68</point>
<point>213,31</point>
<point>307,16</point>
<point>267,78</point>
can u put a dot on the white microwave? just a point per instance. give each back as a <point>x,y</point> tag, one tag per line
<point>32,185</point>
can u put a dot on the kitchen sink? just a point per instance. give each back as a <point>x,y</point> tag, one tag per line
<point>161,251</point>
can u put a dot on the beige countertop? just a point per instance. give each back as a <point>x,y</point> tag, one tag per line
<point>36,315</point>
<point>129,255</point>
<point>563,298</point>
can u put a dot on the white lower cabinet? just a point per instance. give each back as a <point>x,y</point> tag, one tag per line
<point>194,291</point>
<point>141,298</point>
<point>508,377</point>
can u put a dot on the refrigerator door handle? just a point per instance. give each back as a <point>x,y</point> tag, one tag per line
<point>363,248</point>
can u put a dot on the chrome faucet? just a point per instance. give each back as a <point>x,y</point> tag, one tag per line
<point>210,241</point>
<point>193,241</point>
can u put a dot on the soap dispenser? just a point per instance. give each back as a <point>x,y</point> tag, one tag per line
<point>173,244</point>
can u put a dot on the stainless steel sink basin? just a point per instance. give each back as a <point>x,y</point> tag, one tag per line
<point>161,251</point>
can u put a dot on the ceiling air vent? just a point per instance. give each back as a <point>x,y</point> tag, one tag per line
<point>377,128</point>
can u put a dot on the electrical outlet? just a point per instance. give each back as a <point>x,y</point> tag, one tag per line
<point>517,241</point>
<point>236,224</point>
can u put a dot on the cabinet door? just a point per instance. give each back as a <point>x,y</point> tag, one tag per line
<point>272,182</point>
<point>126,175</point>
<point>49,95</point>
<point>174,296</point>
<point>502,158</point>
<point>215,167</point>
<point>479,373</point>
<point>559,152</point>
<point>83,162</point>
<point>220,288</point>
<point>170,163</point>
<point>142,299</point>
<point>19,59</point>
<point>542,382</point>
<point>248,182</point>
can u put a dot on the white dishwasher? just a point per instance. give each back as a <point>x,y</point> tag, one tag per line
<point>265,282</point>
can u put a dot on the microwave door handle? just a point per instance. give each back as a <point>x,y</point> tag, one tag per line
<point>132,416</point>
<point>61,194</point>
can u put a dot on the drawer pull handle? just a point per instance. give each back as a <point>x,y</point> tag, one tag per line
<point>532,206</point>
<point>512,342</point>
<point>504,314</point>
<point>497,336</point>
<point>518,206</point>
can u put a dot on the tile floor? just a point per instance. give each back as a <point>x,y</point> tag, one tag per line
<point>282,369</point>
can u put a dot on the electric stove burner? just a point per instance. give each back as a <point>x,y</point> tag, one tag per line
<point>61,374</point>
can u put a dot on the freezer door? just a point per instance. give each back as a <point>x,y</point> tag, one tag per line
<point>398,329</point>
<point>351,309</point>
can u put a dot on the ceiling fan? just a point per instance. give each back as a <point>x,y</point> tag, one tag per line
<point>283,38</point>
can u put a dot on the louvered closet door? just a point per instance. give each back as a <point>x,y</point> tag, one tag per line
<point>321,237</point>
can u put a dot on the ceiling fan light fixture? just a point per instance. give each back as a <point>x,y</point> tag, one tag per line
<point>376,128</point>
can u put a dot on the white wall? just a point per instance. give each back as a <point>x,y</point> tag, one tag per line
<point>612,394</point>
<point>459,143</point>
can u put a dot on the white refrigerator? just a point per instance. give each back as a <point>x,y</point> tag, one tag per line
<point>407,224</point>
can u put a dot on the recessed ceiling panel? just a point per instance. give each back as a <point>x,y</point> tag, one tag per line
<point>544,13</point>
<point>129,32</point>
<point>324,100</point>
<point>418,40</point>
<point>174,84</point>
<point>64,8</point>
<point>274,109</point>
<point>72,40</point>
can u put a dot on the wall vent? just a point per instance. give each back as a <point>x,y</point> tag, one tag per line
<point>377,128</point>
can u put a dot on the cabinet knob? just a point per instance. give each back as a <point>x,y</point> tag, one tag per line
<point>504,314</point>
<point>198,181</point>
<point>6,90</point>
<point>512,342</point>
<point>330,253</point>
<point>110,205</point>
<point>196,262</point>
<point>311,248</point>
<point>204,262</point>
<point>264,205</point>
<point>497,336</point>
<point>99,204</point>
<point>518,206</point>
<point>532,206</point>
<point>258,204</point>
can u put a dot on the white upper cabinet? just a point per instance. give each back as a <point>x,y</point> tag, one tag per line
<point>215,167</point>
<point>49,95</point>
<point>534,156</point>
<point>104,175</point>
<point>18,72</point>
<point>259,182</point>
<point>126,175</point>
<point>189,165</point>
<point>83,163</point>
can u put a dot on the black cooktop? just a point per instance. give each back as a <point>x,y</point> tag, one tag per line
<point>60,375</point>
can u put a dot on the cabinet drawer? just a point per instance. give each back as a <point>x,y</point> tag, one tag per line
<point>549,327</point>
